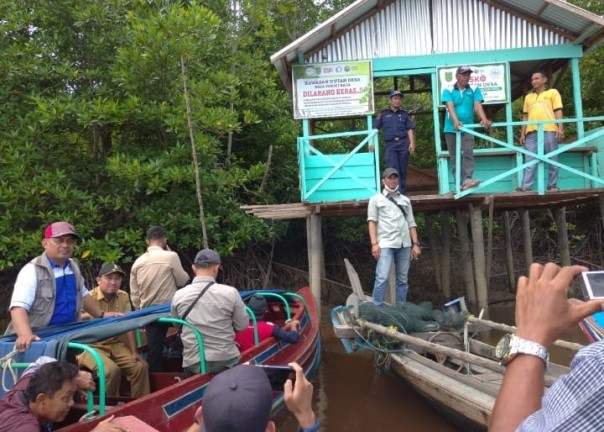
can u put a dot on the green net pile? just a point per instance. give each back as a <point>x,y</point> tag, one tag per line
<point>412,318</point>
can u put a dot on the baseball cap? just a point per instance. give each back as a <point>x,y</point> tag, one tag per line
<point>156,232</point>
<point>464,70</point>
<point>258,305</point>
<point>395,93</point>
<point>108,268</point>
<point>388,172</point>
<point>237,400</point>
<point>59,229</point>
<point>207,256</point>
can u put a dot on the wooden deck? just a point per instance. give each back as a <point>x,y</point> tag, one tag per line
<point>431,202</point>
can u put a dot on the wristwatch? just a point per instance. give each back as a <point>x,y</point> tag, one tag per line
<point>511,345</point>
<point>416,244</point>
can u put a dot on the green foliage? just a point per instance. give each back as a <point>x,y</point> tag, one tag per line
<point>93,94</point>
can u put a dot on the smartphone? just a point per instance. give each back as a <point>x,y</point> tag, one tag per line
<point>277,375</point>
<point>592,284</point>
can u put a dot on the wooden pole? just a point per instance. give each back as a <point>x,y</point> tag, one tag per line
<point>316,255</point>
<point>437,270</point>
<point>601,200</point>
<point>562,236</point>
<point>479,258</point>
<point>489,258</point>
<point>446,253</point>
<point>509,254</point>
<point>526,238</point>
<point>511,329</point>
<point>466,257</point>
<point>432,347</point>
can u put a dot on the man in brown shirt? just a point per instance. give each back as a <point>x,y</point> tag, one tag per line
<point>119,354</point>
<point>154,278</point>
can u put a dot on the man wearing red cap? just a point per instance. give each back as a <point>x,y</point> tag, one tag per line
<point>50,289</point>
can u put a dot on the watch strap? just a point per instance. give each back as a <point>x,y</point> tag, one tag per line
<point>519,345</point>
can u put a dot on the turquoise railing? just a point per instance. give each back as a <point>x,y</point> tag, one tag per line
<point>540,156</point>
<point>101,375</point>
<point>252,315</point>
<point>288,311</point>
<point>198,336</point>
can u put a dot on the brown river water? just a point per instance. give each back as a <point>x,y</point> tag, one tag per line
<point>350,397</point>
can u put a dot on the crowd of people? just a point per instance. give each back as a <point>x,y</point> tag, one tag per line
<point>51,290</point>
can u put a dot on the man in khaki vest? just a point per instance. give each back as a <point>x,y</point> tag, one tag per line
<point>50,288</point>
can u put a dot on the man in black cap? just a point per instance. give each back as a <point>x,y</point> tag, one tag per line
<point>119,354</point>
<point>399,136</point>
<point>241,399</point>
<point>461,102</point>
<point>49,289</point>
<point>393,236</point>
<point>216,310</point>
<point>154,278</point>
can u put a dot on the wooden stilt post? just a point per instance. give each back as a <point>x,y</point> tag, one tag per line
<point>509,254</point>
<point>316,255</point>
<point>601,199</point>
<point>562,236</point>
<point>526,238</point>
<point>434,251</point>
<point>446,253</point>
<point>479,258</point>
<point>489,257</point>
<point>466,256</point>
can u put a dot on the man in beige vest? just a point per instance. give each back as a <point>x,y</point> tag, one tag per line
<point>154,278</point>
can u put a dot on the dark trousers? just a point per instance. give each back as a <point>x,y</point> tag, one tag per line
<point>156,336</point>
<point>396,154</point>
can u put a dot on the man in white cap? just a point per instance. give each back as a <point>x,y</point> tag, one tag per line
<point>216,310</point>
<point>50,289</point>
<point>461,102</point>
<point>393,236</point>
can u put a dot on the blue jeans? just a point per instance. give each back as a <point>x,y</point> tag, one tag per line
<point>397,157</point>
<point>550,143</point>
<point>401,257</point>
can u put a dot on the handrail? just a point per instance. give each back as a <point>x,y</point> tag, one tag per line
<point>538,157</point>
<point>101,374</point>
<point>198,336</point>
<point>252,315</point>
<point>302,299</point>
<point>288,311</point>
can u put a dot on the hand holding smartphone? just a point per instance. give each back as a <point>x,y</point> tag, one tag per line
<point>592,284</point>
<point>277,375</point>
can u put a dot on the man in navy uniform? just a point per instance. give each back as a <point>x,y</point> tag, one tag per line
<point>397,127</point>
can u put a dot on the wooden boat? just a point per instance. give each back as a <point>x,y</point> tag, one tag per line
<point>459,376</point>
<point>174,400</point>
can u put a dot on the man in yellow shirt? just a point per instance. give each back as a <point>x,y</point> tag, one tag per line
<point>119,353</point>
<point>539,105</point>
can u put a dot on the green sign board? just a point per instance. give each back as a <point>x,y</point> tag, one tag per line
<point>340,89</point>
<point>490,78</point>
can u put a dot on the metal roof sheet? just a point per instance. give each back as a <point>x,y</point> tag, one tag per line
<point>369,29</point>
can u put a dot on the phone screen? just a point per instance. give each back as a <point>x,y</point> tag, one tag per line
<point>277,375</point>
<point>595,281</point>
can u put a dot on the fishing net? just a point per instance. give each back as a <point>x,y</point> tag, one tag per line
<point>407,318</point>
<point>413,318</point>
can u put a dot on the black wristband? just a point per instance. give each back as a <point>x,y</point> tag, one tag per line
<point>102,314</point>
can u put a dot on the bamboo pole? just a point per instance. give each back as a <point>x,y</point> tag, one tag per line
<point>482,294</point>
<point>466,257</point>
<point>451,352</point>
<point>437,270</point>
<point>511,329</point>
<point>446,253</point>
<point>562,236</point>
<point>509,254</point>
<point>526,238</point>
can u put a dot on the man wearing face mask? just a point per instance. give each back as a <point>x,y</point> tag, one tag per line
<point>393,236</point>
